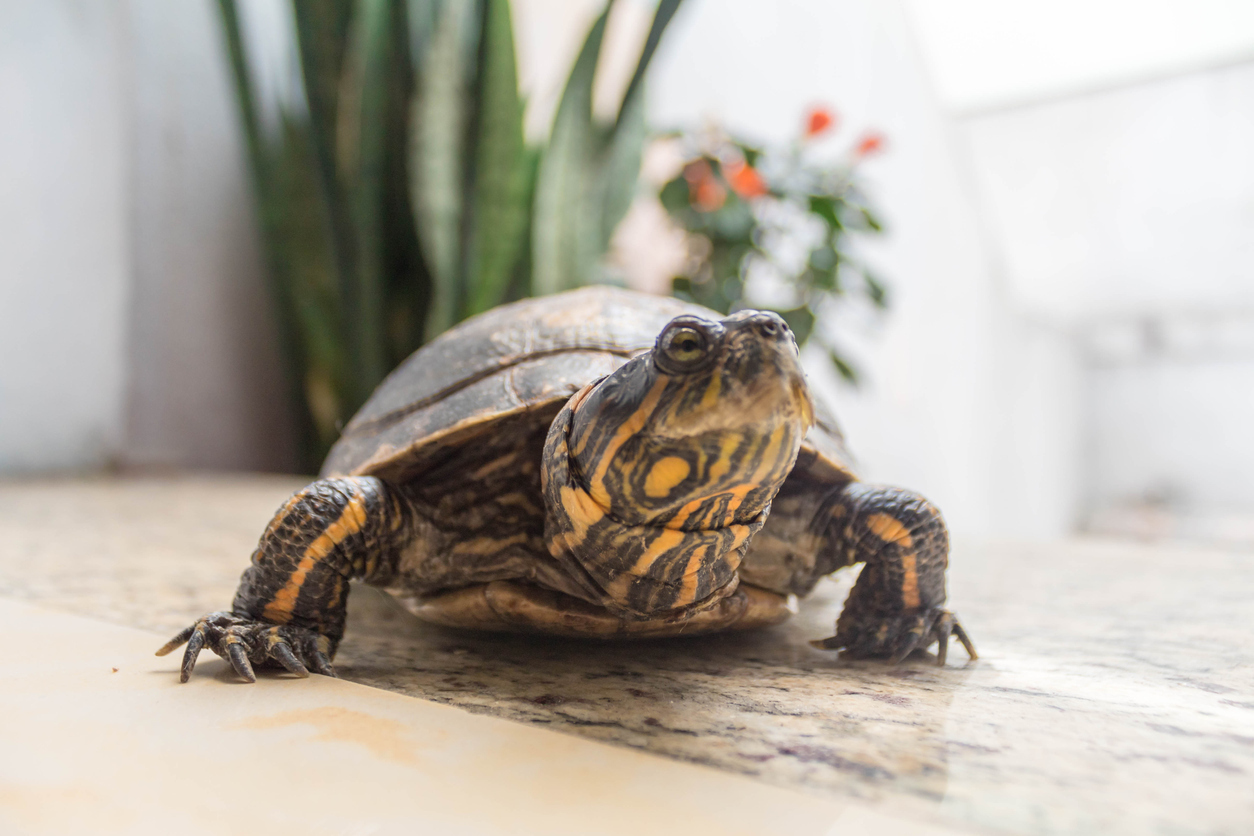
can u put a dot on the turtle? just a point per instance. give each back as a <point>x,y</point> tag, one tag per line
<point>599,463</point>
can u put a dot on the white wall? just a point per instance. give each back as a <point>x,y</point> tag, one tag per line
<point>1134,200</point>
<point>206,389</point>
<point>1175,431</point>
<point>65,256</point>
<point>1108,144</point>
<point>989,54</point>
<point>136,325</point>
<point>1125,217</point>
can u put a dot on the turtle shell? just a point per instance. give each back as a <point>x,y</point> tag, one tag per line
<point>520,361</point>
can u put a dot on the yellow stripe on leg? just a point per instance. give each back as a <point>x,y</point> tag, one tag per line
<point>350,521</point>
<point>909,582</point>
<point>892,531</point>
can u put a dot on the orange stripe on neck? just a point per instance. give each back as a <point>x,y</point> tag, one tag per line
<point>632,425</point>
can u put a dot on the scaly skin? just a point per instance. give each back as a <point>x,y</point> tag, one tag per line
<point>292,601</point>
<point>656,478</point>
<point>895,607</point>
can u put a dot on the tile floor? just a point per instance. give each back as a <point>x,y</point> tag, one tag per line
<point>1115,695</point>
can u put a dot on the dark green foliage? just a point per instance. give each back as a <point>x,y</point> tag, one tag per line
<point>397,195</point>
<point>739,202</point>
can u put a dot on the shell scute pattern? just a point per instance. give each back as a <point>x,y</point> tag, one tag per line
<point>525,355</point>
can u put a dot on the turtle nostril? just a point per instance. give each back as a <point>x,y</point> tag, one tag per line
<point>769,327</point>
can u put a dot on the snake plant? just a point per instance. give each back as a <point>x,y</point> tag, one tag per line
<point>396,193</point>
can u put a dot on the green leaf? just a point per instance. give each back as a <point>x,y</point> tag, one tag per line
<point>361,163</point>
<point>823,258</point>
<point>674,197</point>
<point>822,269</point>
<point>871,220</point>
<point>661,19</point>
<point>875,290</point>
<point>588,175</point>
<point>843,368</point>
<point>751,154</point>
<point>498,216</point>
<point>421,17</point>
<point>825,207</point>
<point>801,321</point>
<point>245,93</point>
<point>322,29</point>
<point>734,222</point>
<point>520,284</point>
<point>304,269</point>
<point>726,262</point>
<point>407,282</point>
<point>566,224</point>
<point>621,169</point>
<point>440,116</point>
<point>730,292</point>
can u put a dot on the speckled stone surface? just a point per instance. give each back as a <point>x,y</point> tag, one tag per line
<point>1115,693</point>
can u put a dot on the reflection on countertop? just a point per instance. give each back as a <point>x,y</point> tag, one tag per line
<point>1115,693</point>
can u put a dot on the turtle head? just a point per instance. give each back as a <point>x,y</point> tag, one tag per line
<point>671,462</point>
<point>701,431</point>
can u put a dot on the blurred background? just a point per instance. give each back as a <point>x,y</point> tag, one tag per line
<point>1066,192</point>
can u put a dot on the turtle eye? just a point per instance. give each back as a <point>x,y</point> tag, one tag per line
<point>685,346</point>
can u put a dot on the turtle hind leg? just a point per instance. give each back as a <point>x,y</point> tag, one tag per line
<point>291,605</point>
<point>896,607</point>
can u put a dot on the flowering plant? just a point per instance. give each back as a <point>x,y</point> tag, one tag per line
<point>771,229</point>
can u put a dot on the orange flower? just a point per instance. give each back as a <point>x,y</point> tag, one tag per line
<point>705,193</point>
<point>872,142</point>
<point>745,180</point>
<point>819,120</point>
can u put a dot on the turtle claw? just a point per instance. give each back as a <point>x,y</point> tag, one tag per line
<point>909,642</point>
<point>239,659</point>
<point>896,637</point>
<point>944,627</point>
<point>194,646</point>
<point>244,643</point>
<point>176,642</point>
<point>962,637</point>
<point>282,653</point>
<point>322,663</point>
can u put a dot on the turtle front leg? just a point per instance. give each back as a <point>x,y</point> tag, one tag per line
<point>896,606</point>
<point>292,601</point>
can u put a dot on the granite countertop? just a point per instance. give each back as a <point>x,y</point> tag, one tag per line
<point>1115,693</point>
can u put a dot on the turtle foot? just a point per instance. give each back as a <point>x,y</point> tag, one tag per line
<point>896,637</point>
<point>244,642</point>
